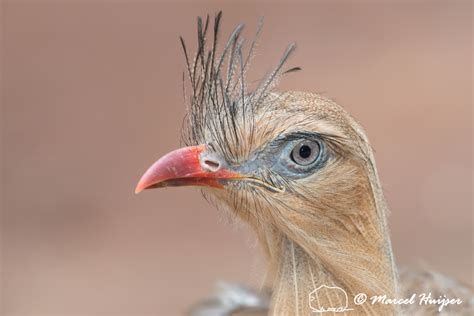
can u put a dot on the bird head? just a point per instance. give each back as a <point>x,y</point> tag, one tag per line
<point>295,166</point>
<point>299,155</point>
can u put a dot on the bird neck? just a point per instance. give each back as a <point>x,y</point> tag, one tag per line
<point>356,258</point>
<point>302,278</point>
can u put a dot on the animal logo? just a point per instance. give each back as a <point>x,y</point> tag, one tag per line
<point>331,299</point>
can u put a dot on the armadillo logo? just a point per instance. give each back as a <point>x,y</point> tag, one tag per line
<point>331,299</point>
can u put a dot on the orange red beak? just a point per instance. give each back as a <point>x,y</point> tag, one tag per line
<point>187,166</point>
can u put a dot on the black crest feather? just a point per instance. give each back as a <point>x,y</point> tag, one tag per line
<point>221,109</point>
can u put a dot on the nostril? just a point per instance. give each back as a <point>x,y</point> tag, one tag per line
<point>210,164</point>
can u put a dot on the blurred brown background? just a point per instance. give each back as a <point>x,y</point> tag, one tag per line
<point>92,95</point>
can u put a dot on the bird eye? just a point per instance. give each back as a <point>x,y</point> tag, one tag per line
<point>296,155</point>
<point>305,152</point>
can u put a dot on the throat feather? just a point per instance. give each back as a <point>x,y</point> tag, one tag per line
<point>354,255</point>
<point>305,284</point>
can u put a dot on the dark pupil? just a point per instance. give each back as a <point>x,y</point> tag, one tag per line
<point>305,151</point>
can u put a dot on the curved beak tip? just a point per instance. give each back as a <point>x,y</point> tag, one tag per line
<point>138,189</point>
<point>143,184</point>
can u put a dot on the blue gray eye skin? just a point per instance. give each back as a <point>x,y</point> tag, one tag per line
<point>305,152</point>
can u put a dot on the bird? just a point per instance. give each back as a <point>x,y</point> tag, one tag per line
<point>299,170</point>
